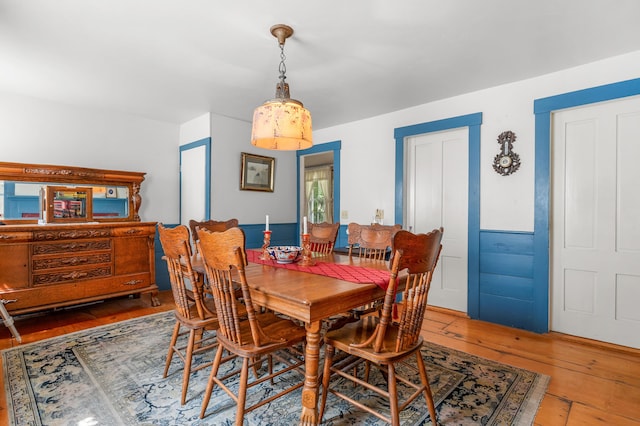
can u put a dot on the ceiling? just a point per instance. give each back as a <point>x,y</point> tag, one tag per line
<point>174,60</point>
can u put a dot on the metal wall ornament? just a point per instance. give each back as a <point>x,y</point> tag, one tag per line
<point>506,161</point>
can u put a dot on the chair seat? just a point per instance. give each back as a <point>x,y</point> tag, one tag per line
<point>195,322</point>
<point>357,332</point>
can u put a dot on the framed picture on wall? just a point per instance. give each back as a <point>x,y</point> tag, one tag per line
<point>111,192</point>
<point>257,172</point>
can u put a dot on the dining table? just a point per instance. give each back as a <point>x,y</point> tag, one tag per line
<point>333,285</point>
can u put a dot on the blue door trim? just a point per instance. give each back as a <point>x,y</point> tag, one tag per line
<point>543,109</point>
<point>473,122</point>
<point>206,142</point>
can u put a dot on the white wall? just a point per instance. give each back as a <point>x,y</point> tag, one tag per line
<point>38,131</point>
<point>197,129</point>
<point>507,203</point>
<point>229,138</point>
<point>42,132</point>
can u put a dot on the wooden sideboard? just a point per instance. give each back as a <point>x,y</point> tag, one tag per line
<point>50,266</point>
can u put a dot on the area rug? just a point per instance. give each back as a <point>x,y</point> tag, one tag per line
<point>112,375</point>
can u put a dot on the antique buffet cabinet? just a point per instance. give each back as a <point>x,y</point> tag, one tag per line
<point>72,235</point>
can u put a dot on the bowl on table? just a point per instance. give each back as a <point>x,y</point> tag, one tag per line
<point>284,254</point>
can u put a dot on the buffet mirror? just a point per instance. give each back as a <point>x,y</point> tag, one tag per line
<point>32,193</point>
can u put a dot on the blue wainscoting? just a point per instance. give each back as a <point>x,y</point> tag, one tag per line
<point>282,234</point>
<point>506,278</point>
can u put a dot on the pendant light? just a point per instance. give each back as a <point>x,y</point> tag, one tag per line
<point>281,123</point>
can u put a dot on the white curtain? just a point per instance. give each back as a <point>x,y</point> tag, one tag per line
<point>318,206</point>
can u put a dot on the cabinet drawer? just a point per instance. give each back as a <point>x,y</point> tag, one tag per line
<point>34,299</point>
<point>71,246</point>
<point>133,231</point>
<point>118,284</point>
<point>68,275</point>
<point>70,234</point>
<point>14,237</point>
<point>41,263</point>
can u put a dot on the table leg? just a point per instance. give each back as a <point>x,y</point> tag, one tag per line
<point>309,414</point>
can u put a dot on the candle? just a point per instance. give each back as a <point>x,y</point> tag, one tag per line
<point>304,225</point>
<point>266,227</point>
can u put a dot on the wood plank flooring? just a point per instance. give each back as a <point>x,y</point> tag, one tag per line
<point>591,383</point>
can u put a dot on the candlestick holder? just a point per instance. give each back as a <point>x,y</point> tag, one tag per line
<point>306,251</point>
<point>265,243</point>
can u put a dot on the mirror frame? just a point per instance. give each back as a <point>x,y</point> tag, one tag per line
<point>55,175</point>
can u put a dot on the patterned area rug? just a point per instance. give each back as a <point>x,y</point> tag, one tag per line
<point>112,375</point>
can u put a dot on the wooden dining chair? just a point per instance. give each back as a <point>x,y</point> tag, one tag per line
<point>191,312</point>
<point>383,343</point>
<point>211,225</point>
<point>252,338</point>
<point>370,241</point>
<point>322,236</point>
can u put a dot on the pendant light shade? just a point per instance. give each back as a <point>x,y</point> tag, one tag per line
<point>281,123</point>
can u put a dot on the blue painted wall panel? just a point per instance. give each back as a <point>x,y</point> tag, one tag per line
<point>506,278</point>
<point>506,242</point>
<point>516,265</point>
<point>507,286</point>
<point>506,311</point>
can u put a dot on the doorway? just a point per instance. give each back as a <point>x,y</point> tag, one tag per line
<point>313,157</point>
<point>317,191</point>
<point>472,123</point>
<point>195,181</point>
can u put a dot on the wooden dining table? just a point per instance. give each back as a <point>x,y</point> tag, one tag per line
<point>310,298</point>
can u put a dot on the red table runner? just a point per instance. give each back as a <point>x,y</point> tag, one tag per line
<point>351,273</point>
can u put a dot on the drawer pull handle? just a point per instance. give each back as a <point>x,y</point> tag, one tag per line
<point>74,261</point>
<point>75,275</point>
<point>7,237</point>
<point>133,282</point>
<point>133,231</point>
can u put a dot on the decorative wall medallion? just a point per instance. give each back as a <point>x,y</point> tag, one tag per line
<point>507,161</point>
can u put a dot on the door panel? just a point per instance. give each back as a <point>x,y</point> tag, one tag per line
<point>595,228</point>
<point>437,195</point>
<point>195,177</point>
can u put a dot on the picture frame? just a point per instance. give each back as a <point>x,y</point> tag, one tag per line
<point>111,192</point>
<point>257,172</point>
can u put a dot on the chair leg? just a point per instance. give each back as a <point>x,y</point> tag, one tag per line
<point>242,392</point>
<point>174,339</point>
<point>211,383</point>
<point>393,395</point>
<point>187,365</point>
<point>270,368</point>
<point>428,396</point>
<point>326,376</point>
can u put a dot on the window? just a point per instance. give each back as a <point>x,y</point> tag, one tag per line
<point>318,193</point>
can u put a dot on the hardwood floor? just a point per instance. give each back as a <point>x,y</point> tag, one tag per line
<point>591,383</point>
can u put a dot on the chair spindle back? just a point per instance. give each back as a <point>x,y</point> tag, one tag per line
<point>371,241</point>
<point>417,254</point>
<point>177,253</point>
<point>225,258</point>
<point>323,236</point>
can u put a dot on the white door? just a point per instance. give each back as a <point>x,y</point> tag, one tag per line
<point>595,229</point>
<point>437,195</point>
